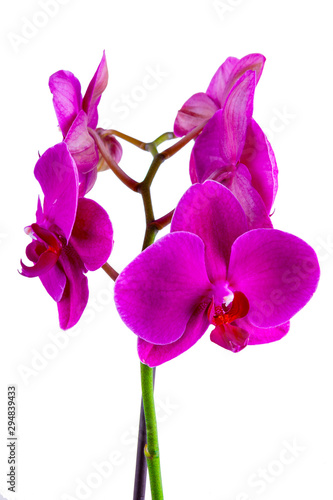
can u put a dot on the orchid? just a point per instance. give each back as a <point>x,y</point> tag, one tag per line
<point>71,235</point>
<point>233,150</point>
<point>211,270</point>
<point>203,105</point>
<point>76,115</point>
<point>222,267</point>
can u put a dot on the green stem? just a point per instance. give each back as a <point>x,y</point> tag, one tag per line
<point>151,449</point>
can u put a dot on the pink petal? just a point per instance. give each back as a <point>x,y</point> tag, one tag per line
<point>157,293</point>
<point>259,158</point>
<point>230,337</point>
<point>263,335</point>
<point>220,80</point>
<point>57,174</point>
<point>212,212</point>
<point>94,91</point>
<point>75,295</point>
<point>67,100</point>
<point>81,145</point>
<point>196,110</point>
<point>237,113</point>
<point>92,235</point>
<point>249,198</point>
<point>87,182</point>
<point>155,355</point>
<point>54,280</point>
<point>222,87</point>
<point>222,140</point>
<point>277,272</point>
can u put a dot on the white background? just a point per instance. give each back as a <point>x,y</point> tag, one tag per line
<point>225,420</point>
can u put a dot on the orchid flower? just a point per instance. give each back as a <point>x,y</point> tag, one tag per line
<point>75,114</point>
<point>202,106</point>
<point>233,150</point>
<point>71,235</point>
<point>211,270</point>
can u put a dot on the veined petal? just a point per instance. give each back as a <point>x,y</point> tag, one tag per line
<point>157,293</point>
<point>206,155</point>
<point>220,80</point>
<point>94,91</point>
<point>263,335</point>
<point>57,174</point>
<point>230,337</point>
<point>196,110</point>
<point>155,355</point>
<point>92,235</point>
<point>53,280</point>
<point>258,156</point>
<point>249,198</point>
<point>67,99</point>
<point>81,145</point>
<point>212,212</point>
<point>45,262</point>
<point>230,72</point>
<point>75,295</point>
<point>276,271</point>
<point>87,182</point>
<point>237,112</point>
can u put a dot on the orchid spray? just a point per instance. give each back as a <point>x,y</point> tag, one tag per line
<point>222,264</point>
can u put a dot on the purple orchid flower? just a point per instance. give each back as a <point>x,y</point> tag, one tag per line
<point>233,150</point>
<point>211,270</point>
<point>71,235</point>
<point>75,114</point>
<point>202,106</point>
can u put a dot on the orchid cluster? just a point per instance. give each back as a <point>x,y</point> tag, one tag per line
<point>222,265</point>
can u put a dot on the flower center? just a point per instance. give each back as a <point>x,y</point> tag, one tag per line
<point>228,312</point>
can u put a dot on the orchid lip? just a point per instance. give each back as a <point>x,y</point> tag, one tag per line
<point>47,258</point>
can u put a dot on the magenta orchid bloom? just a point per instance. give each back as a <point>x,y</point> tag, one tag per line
<point>75,114</point>
<point>71,235</point>
<point>211,270</point>
<point>202,106</point>
<point>233,150</point>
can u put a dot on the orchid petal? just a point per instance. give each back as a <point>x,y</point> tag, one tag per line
<point>75,295</point>
<point>230,72</point>
<point>249,198</point>
<point>276,271</point>
<point>54,280</point>
<point>222,140</point>
<point>220,80</point>
<point>157,293</point>
<point>81,145</point>
<point>87,182</point>
<point>196,110</point>
<point>230,337</point>
<point>154,355</point>
<point>92,235</point>
<point>67,100</point>
<point>45,262</point>
<point>236,114</point>
<point>94,91</point>
<point>263,335</point>
<point>212,212</point>
<point>259,158</point>
<point>57,174</point>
